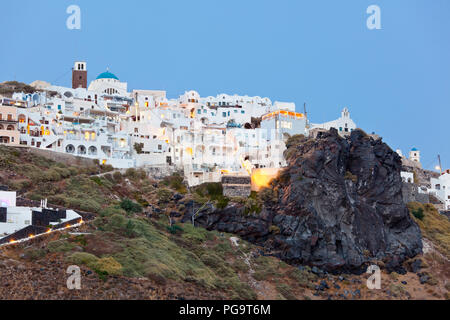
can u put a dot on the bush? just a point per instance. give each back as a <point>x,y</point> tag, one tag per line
<point>418,213</point>
<point>108,266</point>
<point>130,206</point>
<point>34,254</point>
<point>175,182</point>
<point>60,246</point>
<point>138,147</point>
<point>89,205</point>
<point>195,234</point>
<point>112,210</point>
<point>83,258</point>
<point>164,195</point>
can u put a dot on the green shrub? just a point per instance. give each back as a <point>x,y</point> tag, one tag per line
<point>130,206</point>
<point>60,246</point>
<point>195,234</point>
<point>418,213</point>
<point>83,258</point>
<point>112,210</point>
<point>34,254</point>
<point>164,195</point>
<point>51,175</point>
<point>174,229</point>
<point>108,266</point>
<point>89,205</point>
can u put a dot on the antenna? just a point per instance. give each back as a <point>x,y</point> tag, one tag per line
<point>440,165</point>
<point>304,110</point>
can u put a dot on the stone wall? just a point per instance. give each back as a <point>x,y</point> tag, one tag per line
<point>159,172</point>
<point>61,157</point>
<point>236,186</point>
<point>411,194</point>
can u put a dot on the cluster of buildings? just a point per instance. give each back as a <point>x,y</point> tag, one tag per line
<point>437,185</point>
<point>206,137</point>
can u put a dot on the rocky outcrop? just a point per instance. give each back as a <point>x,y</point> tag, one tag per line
<point>337,206</point>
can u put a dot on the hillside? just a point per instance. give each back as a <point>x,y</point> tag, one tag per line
<point>7,88</point>
<point>136,247</point>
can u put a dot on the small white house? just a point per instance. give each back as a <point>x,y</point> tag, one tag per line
<point>407,177</point>
<point>441,187</point>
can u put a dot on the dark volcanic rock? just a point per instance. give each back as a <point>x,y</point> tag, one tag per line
<point>338,206</point>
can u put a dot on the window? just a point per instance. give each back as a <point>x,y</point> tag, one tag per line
<point>242,111</point>
<point>199,111</point>
<point>224,114</point>
<point>438,187</point>
<point>159,147</point>
<point>340,128</point>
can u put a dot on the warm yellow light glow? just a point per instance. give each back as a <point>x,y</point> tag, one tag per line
<point>86,136</point>
<point>189,151</point>
<point>31,236</point>
<point>49,230</point>
<point>261,178</point>
<point>12,241</point>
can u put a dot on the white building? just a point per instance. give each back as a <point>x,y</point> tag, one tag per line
<point>110,84</point>
<point>441,188</point>
<point>344,125</point>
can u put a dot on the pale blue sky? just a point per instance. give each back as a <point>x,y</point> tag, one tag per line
<point>396,81</point>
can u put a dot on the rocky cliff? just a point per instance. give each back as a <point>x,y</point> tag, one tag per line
<point>337,206</point>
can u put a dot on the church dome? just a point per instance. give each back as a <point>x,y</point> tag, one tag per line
<point>107,75</point>
<point>414,149</point>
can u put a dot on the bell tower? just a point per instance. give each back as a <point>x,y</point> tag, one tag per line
<point>79,75</point>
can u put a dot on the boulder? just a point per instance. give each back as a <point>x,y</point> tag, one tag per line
<point>338,206</point>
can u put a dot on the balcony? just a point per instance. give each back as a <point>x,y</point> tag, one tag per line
<point>8,121</point>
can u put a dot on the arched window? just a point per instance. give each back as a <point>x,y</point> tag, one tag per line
<point>81,149</point>
<point>92,151</point>
<point>10,128</point>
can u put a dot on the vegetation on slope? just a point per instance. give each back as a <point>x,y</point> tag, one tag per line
<point>434,226</point>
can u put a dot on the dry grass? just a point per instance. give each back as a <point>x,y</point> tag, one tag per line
<point>434,226</point>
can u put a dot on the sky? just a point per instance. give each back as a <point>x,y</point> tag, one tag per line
<point>395,80</point>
